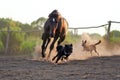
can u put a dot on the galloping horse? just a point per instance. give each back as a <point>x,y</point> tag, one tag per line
<point>55,27</point>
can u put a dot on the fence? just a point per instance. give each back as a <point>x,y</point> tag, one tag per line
<point>76,29</point>
<point>75,32</point>
<point>108,28</point>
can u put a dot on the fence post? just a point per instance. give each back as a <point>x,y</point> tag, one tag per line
<point>75,31</point>
<point>108,31</point>
<point>7,40</point>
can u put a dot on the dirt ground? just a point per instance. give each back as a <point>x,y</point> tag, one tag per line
<point>81,66</point>
<point>97,68</point>
<point>86,68</point>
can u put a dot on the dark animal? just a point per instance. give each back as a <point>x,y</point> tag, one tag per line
<point>55,27</point>
<point>63,52</point>
<point>90,47</point>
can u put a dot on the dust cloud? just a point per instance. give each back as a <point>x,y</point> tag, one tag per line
<point>104,49</point>
<point>36,55</point>
<point>37,52</point>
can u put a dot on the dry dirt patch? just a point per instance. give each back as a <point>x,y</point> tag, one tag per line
<point>98,68</point>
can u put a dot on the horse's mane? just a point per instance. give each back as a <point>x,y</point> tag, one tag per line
<point>53,13</point>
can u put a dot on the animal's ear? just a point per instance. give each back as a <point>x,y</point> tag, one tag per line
<point>66,45</point>
<point>71,44</point>
<point>85,41</point>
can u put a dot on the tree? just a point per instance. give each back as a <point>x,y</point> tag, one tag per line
<point>39,23</point>
<point>115,36</point>
<point>4,22</point>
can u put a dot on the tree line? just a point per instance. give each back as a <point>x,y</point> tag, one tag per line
<point>22,36</point>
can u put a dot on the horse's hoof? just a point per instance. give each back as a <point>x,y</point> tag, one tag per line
<point>49,60</point>
<point>43,59</point>
<point>43,56</point>
<point>55,63</point>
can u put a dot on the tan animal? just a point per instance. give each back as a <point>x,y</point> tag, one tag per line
<point>90,47</point>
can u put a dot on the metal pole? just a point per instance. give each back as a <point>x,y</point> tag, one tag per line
<point>108,31</point>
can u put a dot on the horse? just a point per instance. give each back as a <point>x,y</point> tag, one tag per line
<point>55,27</point>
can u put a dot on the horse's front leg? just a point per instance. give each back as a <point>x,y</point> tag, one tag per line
<point>43,48</point>
<point>52,46</point>
<point>48,40</point>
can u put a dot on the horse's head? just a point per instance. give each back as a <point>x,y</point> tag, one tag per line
<point>53,26</point>
<point>54,19</point>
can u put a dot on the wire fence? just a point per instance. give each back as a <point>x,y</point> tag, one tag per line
<point>108,26</point>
